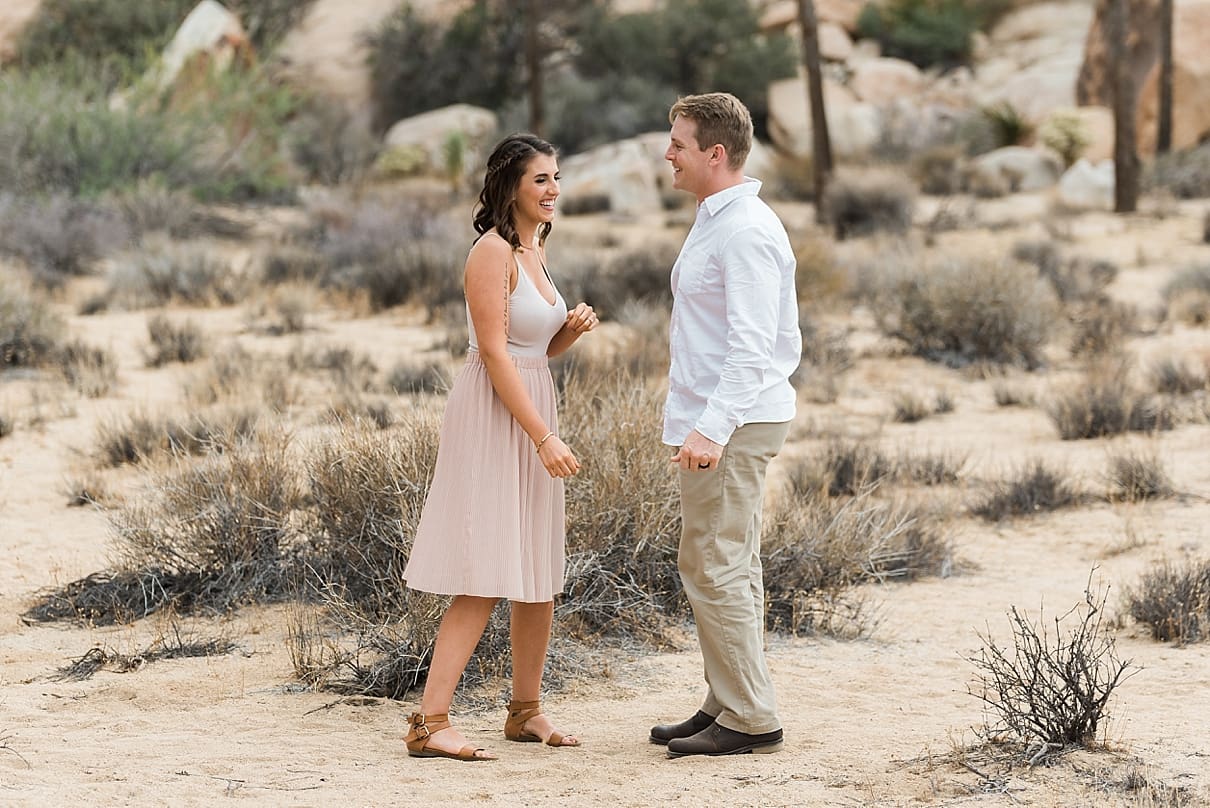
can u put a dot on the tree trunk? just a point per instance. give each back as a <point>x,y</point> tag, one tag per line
<point>1125,145</point>
<point>1163,136</point>
<point>821,143</point>
<point>533,68</point>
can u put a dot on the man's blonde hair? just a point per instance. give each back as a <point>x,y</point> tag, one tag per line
<point>722,119</point>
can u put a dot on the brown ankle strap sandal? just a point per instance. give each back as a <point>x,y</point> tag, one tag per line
<point>514,727</point>
<point>421,728</point>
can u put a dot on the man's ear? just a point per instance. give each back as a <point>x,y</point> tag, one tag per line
<point>718,154</point>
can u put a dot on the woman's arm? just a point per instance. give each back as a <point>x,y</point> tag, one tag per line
<point>490,271</point>
<point>580,320</point>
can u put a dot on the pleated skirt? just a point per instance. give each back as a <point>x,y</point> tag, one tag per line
<point>493,521</point>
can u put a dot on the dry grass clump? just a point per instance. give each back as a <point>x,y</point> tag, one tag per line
<point>1106,403</point>
<point>236,374</point>
<point>417,377</point>
<point>1050,692</point>
<point>163,272</point>
<point>58,237</point>
<point>870,202</point>
<point>960,310</point>
<point>930,468</point>
<point>639,275</point>
<point>205,535</point>
<point>1099,328</point>
<point>175,646</point>
<point>1175,376</point>
<point>910,407</point>
<point>29,329</point>
<point>172,342</point>
<point>390,251</point>
<point>814,547</point>
<point>88,489</point>
<point>1187,296</point>
<point>1073,279</point>
<point>1173,601</point>
<point>843,468</point>
<point>826,356</point>
<point>139,436</point>
<point>1137,475</point>
<point>90,370</point>
<point>1031,489</point>
<point>7,424</point>
<point>818,276</point>
<point>1012,394</point>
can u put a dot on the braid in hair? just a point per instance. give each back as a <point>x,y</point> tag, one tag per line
<point>505,168</point>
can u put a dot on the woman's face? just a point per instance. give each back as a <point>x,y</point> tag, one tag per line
<point>537,191</point>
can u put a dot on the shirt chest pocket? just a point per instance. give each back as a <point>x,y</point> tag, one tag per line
<point>699,272</point>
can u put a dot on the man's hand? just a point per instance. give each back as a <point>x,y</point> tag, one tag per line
<point>698,453</point>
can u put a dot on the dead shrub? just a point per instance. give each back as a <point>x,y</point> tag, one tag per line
<point>1173,601</point>
<point>90,370</point>
<point>938,169</point>
<point>1187,295</point>
<point>814,547</point>
<point>959,311</point>
<point>1174,376</point>
<point>170,342</point>
<point>30,330</point>
<point>817,275</point>
<point>1106,403</point>
<point>866,203</point>
<point>1050,692</point>
<point>413,377</point>
<point>637,275</point>
<point>843,468</point>
<point>7,425</point>
<point>90,489</point>
<point>826,356</point>
<point>139,436</point>
<point>910,407</point>
<point>234,373</point>
<point>1075,280</point>
<point>173,646</point>
<point>1008,394</point>
<point>930,468</point>
<point>1033,488</point>
<point>58,237</point>
<point>1099,328</point>
<point>164,272</point>
<point>1137,475</point>
<point>348,369</point>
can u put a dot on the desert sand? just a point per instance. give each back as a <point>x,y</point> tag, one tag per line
<point>871,722</point>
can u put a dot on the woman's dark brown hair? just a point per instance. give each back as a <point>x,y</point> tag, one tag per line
<point>505,168</point>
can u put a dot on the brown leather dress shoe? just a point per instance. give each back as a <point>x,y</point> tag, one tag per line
<point>718,740</point>
<point>663,733</point>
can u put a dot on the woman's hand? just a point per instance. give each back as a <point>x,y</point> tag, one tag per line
<point>581,319</point>
<point>557,458</point>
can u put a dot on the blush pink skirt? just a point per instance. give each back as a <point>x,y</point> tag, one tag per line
<point>493,521</point>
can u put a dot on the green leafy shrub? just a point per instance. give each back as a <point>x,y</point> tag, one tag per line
<point>928,32</point>
<point>101,32</point>
<point>1066,134</point>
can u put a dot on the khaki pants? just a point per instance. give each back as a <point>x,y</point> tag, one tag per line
<point>720,567</point>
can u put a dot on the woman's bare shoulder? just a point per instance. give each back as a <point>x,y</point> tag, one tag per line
<point>490,250</point>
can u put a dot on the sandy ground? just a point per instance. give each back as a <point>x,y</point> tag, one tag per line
<point>869,722</point>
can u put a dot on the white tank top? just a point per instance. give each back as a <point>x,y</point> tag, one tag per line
<point>532,322</point>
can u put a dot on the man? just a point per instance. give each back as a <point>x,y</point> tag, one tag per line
<point>735,341</point>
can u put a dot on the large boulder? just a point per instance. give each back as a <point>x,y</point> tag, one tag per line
<point>853,126</point>
<point>1095,83</point>
<point>834,42</point>
<point>619,176</point>
<point>783,14</point>
<point>14,16</point>
<point>417,145</point>
<point>1033,58</point>
<point>1021,168</point>
<point>1087,186</point>
<point>883,80</point>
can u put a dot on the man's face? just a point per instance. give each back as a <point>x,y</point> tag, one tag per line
<point>690,165</point>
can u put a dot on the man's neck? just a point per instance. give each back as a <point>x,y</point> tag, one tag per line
<point>722,182</point>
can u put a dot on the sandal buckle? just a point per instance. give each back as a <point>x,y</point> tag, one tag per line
<point>421,727</point>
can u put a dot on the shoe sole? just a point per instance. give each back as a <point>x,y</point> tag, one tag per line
<point>755,749</point>
<point>658,741</point>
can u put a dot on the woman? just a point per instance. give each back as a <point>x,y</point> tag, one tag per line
<point>492,525</point>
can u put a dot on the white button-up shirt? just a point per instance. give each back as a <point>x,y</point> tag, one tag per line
<point>734,333</point>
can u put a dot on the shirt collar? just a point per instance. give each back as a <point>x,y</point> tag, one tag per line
<point>720,199</point>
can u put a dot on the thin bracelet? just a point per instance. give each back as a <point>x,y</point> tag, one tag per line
<point>545,437</point>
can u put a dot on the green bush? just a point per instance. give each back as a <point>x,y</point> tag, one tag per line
<point>928,32</point>
<point>101,32</point>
